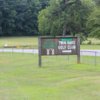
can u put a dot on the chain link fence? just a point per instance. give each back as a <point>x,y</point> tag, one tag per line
<point>91,57</point>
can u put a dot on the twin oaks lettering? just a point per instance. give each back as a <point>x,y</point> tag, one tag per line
<point>62,45</point>
<point>66,45</point>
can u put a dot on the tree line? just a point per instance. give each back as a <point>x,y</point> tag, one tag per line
<point>19,17</point>
<point>49,17</point>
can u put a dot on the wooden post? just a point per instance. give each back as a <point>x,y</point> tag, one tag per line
<point>39,51</point>
<point>78,50</point>
<point>95,58</point>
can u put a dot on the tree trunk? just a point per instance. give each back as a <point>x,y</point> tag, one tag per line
<point>64,30</point>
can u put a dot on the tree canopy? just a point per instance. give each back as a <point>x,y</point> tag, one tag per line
<point>64,17</point>
<point>49,17</point>
<point>93,23</point>
<point>19,17</point>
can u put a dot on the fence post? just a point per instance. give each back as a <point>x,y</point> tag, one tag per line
<point>95,58</point>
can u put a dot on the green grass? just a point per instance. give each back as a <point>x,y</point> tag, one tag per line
<point>95,44</point>
<point>32,42</point>
<point>94,41</point>
<point>90,47</point>
<point>19,41</point>
<point>58,79</point>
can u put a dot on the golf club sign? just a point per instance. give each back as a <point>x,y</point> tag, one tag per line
<point>49,46</point>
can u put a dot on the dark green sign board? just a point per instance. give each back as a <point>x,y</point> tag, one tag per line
<point>59,46</point>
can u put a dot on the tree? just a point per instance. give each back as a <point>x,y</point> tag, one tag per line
<point>63,17</point>
<point>43,3</point>
<point>6,17</point>
<point>19,17</point>
<point>97,2</point>
<point>26,18</point>
<point>93,23</point>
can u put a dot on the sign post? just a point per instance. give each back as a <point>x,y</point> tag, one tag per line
<point>60,45</point>
<point>78,50</point>
<point>39,51</point>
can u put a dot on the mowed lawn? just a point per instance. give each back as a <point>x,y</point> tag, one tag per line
<point>22,79</point>
<point>19,41</point>
<point>32,42</point>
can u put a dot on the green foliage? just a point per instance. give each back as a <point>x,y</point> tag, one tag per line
<point>49,17</point>
<point>93,23</point>
<point>19,17</point>
<point>97,2</point>
<point>63,17</point>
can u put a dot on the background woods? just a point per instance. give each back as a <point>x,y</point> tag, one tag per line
<point>49,17</point>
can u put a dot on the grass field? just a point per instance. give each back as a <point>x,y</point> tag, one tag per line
<point>19,41</point>
<point>32,42</point>
<point>22,79</point>
<point>90,47</point>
